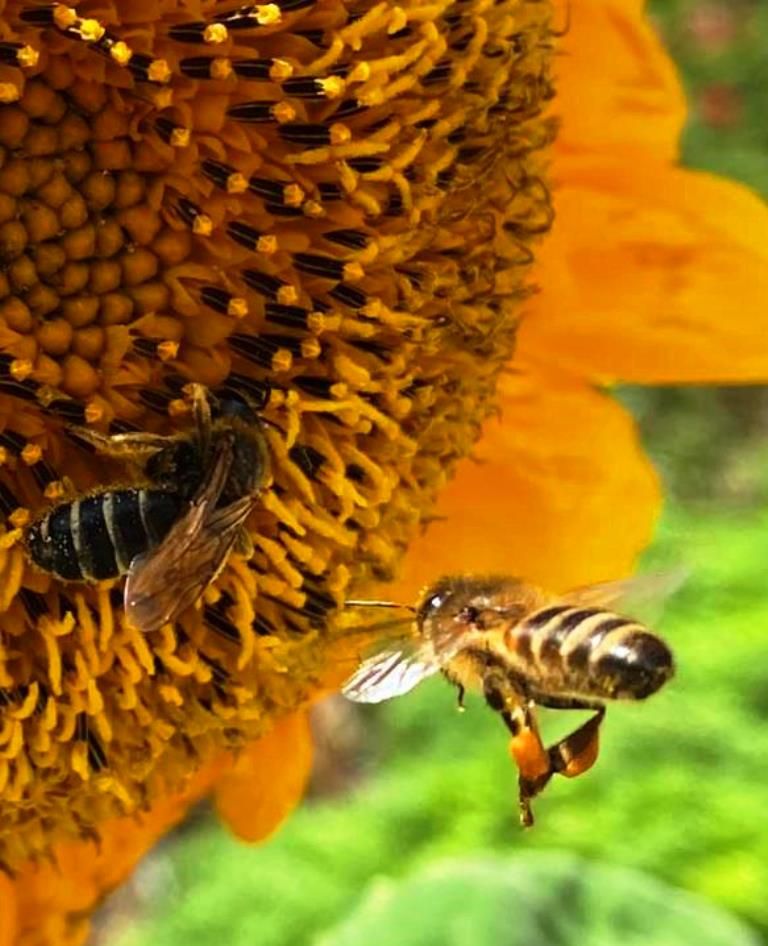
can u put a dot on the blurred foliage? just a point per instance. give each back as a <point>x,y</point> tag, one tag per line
<point>720,46</point>
<point>677,791</point>
<point>710,443</point>
<point>533,899</point>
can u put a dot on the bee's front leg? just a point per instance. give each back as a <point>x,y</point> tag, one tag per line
<point>508,699</point>
<point>136,447</point>
<point>201,411</point>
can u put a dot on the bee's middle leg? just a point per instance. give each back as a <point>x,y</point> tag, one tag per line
<point>532,759</point>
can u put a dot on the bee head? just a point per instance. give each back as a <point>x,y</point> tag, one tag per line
<point>477,602</point>
<point>234,406</point>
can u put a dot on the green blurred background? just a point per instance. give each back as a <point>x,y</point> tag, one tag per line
<point>410,837</point>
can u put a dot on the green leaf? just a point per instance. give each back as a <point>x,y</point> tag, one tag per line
<point>537,899</point>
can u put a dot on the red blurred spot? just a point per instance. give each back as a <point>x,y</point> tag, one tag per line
<point>712,27</point>
<point>720,105</point>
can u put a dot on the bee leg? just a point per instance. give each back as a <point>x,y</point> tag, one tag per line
<point>135,447</point>
<point>201,411</point>
<point>577,752</point>
<point>526,747</point>
<point>244,544</point>
<point>460,691</point>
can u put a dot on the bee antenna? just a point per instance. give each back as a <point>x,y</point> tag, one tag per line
<point>379,604</point>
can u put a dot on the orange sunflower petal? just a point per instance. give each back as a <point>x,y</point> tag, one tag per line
<point>652,275</point>
<point>52,901</point>
<point>562,493</point>
<point>617,87</point>
<point>7,911</point>
<point>267,780</point>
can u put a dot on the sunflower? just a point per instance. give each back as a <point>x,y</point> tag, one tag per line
<point>307,208</point>
<point>335,211</point>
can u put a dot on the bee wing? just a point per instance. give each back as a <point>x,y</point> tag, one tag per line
<point>170,578</point>
<point>399,664</point>
<point>391,672</point>
<point>640,596</point>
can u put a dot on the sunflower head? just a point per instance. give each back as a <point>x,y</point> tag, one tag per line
<point>323,208</point>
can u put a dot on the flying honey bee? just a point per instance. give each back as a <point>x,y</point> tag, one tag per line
<point>523,648</point>
<point>172,534</point>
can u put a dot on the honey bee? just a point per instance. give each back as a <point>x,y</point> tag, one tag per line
<point>171,535</point>
<point>523,648</point>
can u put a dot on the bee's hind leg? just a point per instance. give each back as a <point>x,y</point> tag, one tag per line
<point>578,751</point>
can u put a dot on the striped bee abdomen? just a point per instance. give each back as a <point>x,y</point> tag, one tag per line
<point>592,653</point>
<point>97,537</point>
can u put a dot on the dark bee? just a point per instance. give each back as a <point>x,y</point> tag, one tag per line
<point>171,535</point>
<point>522,647</point>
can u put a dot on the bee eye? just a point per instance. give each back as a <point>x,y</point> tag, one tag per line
<point>470,615</point>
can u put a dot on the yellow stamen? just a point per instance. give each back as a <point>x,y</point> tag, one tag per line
<point>121,52</point>
<point>9,93</point>
<point>91,30</point>
<point>202,225</point>
<point>284,112</point>
<point>159,71</point>
<point>333,86</point>
<point>215,34</point>
<point>94,413</point>
<point>269,14</point>
<point>32,453</point>
<point>266,245</point>
<point>28,57</point>
<point>237,307</point>
<point>167,350</point>
<point>19,518</point>
<point>64,17</point>
<point>221,68</point>
<point>280,70</point>
<point>180,138</point>
<point>293,195</point>
<point>237,184</point>
<point>21,369</point>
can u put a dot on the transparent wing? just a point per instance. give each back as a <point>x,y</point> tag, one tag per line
<point>164,582</point>
<point>400,663</point>
<point>641,596</point>
<point>391,673</point>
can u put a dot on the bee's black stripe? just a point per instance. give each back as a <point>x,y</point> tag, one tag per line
<point>579,657</point>
<point>51,540</point>
<point>128,532</point>
<point>89,527</point>
<point>541,618</point>
<point>159,511</point>
<point>555,636</point>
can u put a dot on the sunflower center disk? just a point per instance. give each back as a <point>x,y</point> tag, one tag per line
<point>325,207</point>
